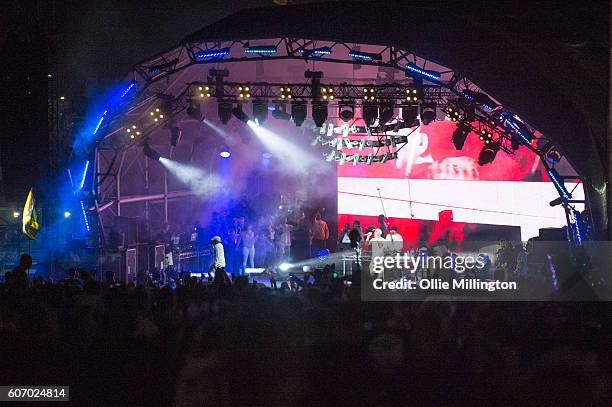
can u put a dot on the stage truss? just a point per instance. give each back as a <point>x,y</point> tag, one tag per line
<point>450,91</point>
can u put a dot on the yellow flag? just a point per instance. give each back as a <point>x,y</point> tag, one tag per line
<point>29,219</point>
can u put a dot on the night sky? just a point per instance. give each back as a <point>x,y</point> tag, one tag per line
<point>100,41</point>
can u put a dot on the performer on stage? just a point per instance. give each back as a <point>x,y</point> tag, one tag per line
<point>248,247</point>
<point>394,240</point>
<point>218,263</point>
<point>377,244</point>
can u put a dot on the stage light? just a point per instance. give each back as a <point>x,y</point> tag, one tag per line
<point>486,136</point>
<point>315,51</point>
<point>157,115</point>
<point>386,114</point>
<point>459,136</point>
<point>224,111</point>
<point>319,113</point>
<point>298,112</point>
<point>369,94</point>
<point>428,114</point>
<point>412,70</point>
<point>203,92</point>
<point>558,183</point>
<point>480,98</point>
<point>520,130</point>
<point>193,110</point>
<point>82,183</point>
<point>260,110</point>
<point>128,89</point>
<point>284,267</point>
<point>322,254</point>
<point>244,92</point>
<point>556,202</point>
<point>369,113</point>
<point>327,93</point>
<point>553,156</point>
<point>67,214</point>
<point>212,54</point>
<point>85,216</point>
<point>346,111</point>
<point>487,154</point>
<point>224,152</point>
<point>150,152</point>
<point>260,49</point>
<point>366,56</point>
<point>280,113</point>
<point>453,114</point>
<point>285,93</point>
<point>240,115</point>
<point>410,115</point>
<point>412,95</point>
<point>15,215</point>
<point>175,135</point>
<point>132,130</point>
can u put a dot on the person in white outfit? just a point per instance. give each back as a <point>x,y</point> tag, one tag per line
<point>218,262</point>
<point>377,245</point>
<point>395,240</point>
<point>285,240</point>
<point>248,249</point>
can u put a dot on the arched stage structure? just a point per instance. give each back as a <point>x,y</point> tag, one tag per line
<point>393,70</point>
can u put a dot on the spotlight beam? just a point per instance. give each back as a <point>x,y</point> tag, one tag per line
<point>196,179</point>
<point>294,157</point>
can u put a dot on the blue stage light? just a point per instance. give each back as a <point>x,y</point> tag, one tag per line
<point>261,49</point>
<point>284,267</point>
<point>480,98</point>
<point>412,69</point>
<point>67,214</point>
<point>322,254</point>
<point>224,152</point>
<point>367,56</point>
<point>316,51</point>
<point>212,54</point>
<point>98,125</point>
<point>523,134</point>
<point>576,221</point>
<point>84,175</point>
<point>128,89</point>
<point>85,216</point>
<point>558,182</point>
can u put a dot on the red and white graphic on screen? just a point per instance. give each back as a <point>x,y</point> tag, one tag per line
<point>507,198</point>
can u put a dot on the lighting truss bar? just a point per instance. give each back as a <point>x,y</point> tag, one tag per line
<point>82,184</point>
<point>155,69</point>
<point>342,92</point>
<point>261,49</point>
<point>517,130</point>
<point>85,216</point>
<point>557,181</point>
<point>99,123</point>
<point>316,51</point>
<point>128,89</point>
<point>212,54</point>
<point>368,56</point>
<point>480,98</point>
<point>412,69</point>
